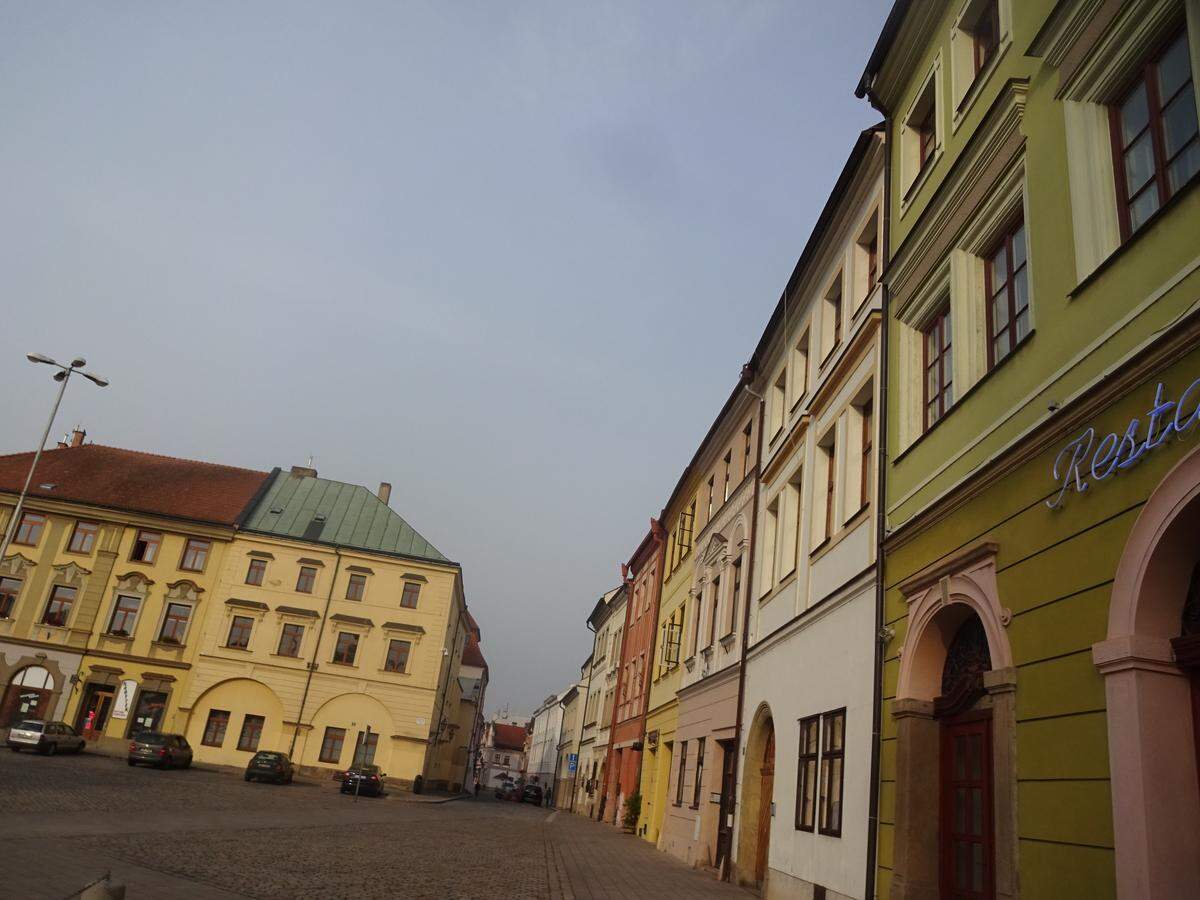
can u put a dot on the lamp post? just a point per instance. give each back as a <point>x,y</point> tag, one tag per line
<point>62,376</point>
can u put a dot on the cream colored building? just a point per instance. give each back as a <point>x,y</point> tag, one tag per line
<point>336,634</point>
<point>607,622</point>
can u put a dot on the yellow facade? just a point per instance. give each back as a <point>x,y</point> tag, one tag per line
<point>321,715</point>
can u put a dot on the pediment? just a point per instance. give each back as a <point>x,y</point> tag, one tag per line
<point>134,581</point>
<point>184,589</point>
<point>16,565</point>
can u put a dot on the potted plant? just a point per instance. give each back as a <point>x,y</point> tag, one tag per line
<point>633,811</point>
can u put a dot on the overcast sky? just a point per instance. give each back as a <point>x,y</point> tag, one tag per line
<point>508,256</point>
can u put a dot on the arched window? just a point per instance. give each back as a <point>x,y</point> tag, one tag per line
<point>27,695</point>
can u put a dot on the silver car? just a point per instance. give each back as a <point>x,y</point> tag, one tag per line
<point>46,737</point>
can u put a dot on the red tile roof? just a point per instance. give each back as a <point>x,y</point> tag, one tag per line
<point>472,655</point>
<point>136,481</point>
<point>508,737</point>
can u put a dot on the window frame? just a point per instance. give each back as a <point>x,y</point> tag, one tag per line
<point>307,576</point>
<point>867,414</point>
<point>807,773</point>
<point>415,588</point>
<point>680,774</point>
<point>258,566</point>
<point>356,584</point>
<point>9,595</point>
<point>152,546</point>
<point>332,736</point>
<point>210,736</point>
<point>1147,75</point>
<point>54,598</point>
<point>698,784</point>
<point>89,530</point>
<point>117,610</point>
<point>990,12</point>
<point>284,633</point>
<point>36,528</point>
<point>245,745</point>
<point>195,547</point>
<point>167,618</point>
<point>830,486</point>
<point>942,323</point>
<point>827,754</point>
<point>337,647</point>
<point>240,625</point>
<point>387,659</point>
<point>1006,242</point>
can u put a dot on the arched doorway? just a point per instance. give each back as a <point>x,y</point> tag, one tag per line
<point>1150,661</point>
<point>955,714</point>
<point>27,696</point>
<point>758,787</point>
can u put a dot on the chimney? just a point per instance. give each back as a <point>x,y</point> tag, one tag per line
<point>64,442</point>
<point>385,492</point>
<point>304,471</point>
<point>77,436</point>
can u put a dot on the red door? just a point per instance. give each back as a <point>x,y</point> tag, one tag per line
<point>967,843</point>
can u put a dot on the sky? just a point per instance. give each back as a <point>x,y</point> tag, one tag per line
<point>509,257</point>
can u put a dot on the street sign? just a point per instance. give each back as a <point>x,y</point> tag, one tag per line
<point>572,763</point>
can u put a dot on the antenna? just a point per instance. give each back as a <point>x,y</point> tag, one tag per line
<point>310,460</point>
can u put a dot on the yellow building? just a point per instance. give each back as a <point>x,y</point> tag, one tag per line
<point>111,569</point>
<point>336,634</point>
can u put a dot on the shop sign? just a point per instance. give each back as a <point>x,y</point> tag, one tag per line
<point>572,762</point>
<point>124,699</point>
<point>1086,459</point>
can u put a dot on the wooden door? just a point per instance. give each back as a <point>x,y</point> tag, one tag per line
<point>968,851</point>
<point>728,784</point>
<point>766,795</point>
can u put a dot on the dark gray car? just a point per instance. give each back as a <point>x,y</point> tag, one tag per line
<point>163,750</point>
<point>45,737</point>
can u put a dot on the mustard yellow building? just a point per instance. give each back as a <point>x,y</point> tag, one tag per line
<point>336,634</point>
<point>111,570</point>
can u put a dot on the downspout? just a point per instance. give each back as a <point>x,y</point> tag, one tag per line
<point>741,697</point>
<point>583,718</point>
<point>880,512</point>
<point>312,666</point>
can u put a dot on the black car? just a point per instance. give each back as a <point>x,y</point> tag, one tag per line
<point>367,779</point>
<point>532,794</point>
<point>268,765</point>
<point>163,750</point>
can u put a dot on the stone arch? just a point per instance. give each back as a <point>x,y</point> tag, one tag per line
<point>30,693</point>
<point>1155,790</point>
<point>239,697</point>
<point>760,735</point>
<point>353,712</point>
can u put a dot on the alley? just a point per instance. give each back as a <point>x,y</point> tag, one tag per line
<point>197,834</point>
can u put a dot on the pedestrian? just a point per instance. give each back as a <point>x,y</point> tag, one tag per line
<point>476,788</point>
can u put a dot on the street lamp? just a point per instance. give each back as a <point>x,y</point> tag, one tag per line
<point>62,376</point>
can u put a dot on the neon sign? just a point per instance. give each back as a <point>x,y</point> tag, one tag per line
<point>1100,460</point>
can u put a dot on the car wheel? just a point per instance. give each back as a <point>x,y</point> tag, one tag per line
<point>131,762</point>
<point>51,749</point>
<point>15,749</point>
<point>289,780</point>
<point>248,778</point>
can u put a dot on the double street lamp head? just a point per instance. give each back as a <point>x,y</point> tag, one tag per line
<point>64,372</point>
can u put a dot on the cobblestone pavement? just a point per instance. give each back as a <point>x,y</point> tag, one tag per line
<point>66,821</point>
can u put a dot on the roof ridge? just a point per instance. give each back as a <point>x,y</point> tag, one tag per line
<point>197,462</point>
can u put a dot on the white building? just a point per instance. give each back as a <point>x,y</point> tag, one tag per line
<point>543,742</point>
<point>808,707</point>
<point>607,622</point>
<point>502,757</point>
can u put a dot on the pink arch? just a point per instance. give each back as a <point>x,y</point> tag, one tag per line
<point>1155,794</point>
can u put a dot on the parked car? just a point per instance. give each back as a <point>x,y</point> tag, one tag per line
<point>268,765</point>
<point>504,788</point>
<point>368,780</point>
<point>532,794</point>
<point>45,737</point>
<point>162,750</point>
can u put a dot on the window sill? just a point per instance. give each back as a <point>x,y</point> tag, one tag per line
<point>906,200</point>
<point>192,571</point>
<point>394,672</point>
<point>727,640</point>
<point>344,665</point>
<point>231,647</point>
<point>109,636</point>
<point>168,645</point>
<point>848,527</point>
<point>286,656</point>
<point>85,553</point>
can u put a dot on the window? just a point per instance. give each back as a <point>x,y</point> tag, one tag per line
<point>83,538</point>
<point>251,732</point>
<point>239,633</point>
<point>9,588</point>
<point>696,788</point>
<point>985,35</point>
<point>175,623</point>
<point>806,774</point>
<point>728,464</point>
<point>346,648</point>
<point>256,572</point>
<point>397,656</point>
<point>145,546</point>
<point>214,728</point>
<point>682,766</point>
<point>866,416</point>
<point>872,251</point>
<point>58,610</point>
<point>770,536</point>
<point>731,621</point>
<point>927,135</point>
<point>124,616</point>
<point>307,580</point>
<point>778,403</point>
<point>830,453</point>
<point>331,745</point>
<point>712,491</point>
<point>800,369</point>
<point>919,133</point>
<point>412,592</point>
<point>687,521</point>
<point>30,529</point>
<point>290,638</point>
<point>195,555</point>
<point>355,587</point>
<point>1156,142</point>
<point>747,448</point>
<point>1008,295</point>
<point>833,743</point>
<point>712,612</point>
<point>833,316</point>
<point>939,368</point>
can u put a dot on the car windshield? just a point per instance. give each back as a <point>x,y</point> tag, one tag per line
<point>32,726</point>
<point>269,757</point>
<point>365,770</point>
<point>149,737</point>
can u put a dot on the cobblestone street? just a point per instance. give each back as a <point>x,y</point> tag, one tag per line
<point>67,820</point>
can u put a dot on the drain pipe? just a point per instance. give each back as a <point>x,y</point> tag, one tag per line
<point>747,375</point>
<point>312,666</point>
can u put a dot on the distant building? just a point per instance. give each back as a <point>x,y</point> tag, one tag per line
<point>503,753</point>
<point>607,622</point>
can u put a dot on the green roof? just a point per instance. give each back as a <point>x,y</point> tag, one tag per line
<point>299,506</point>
